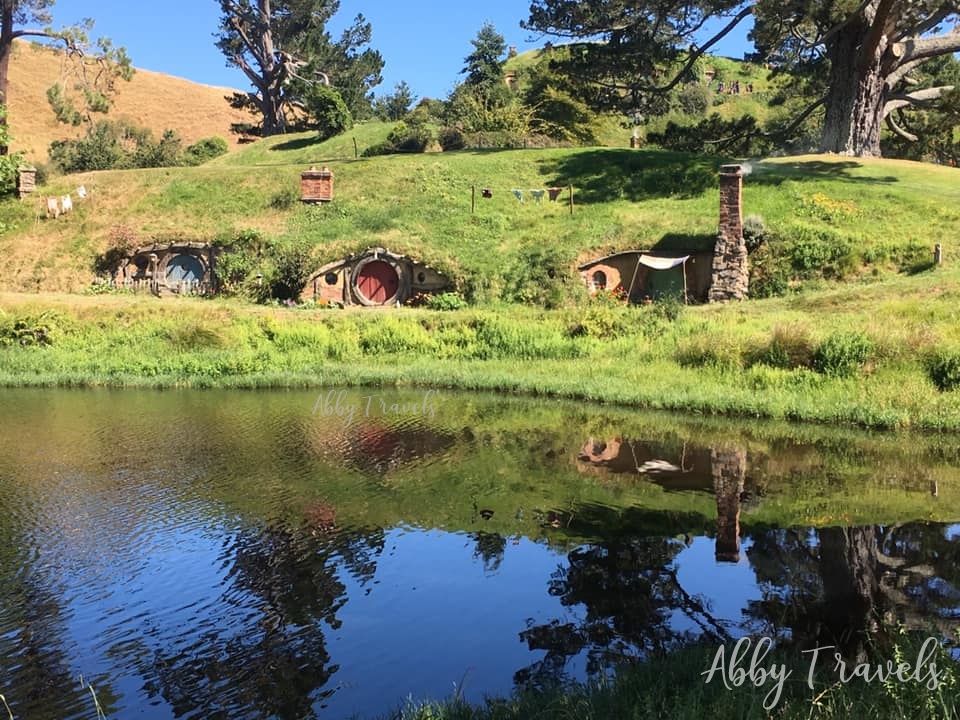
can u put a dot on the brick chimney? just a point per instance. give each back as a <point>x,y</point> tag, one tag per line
<point>731,275</point>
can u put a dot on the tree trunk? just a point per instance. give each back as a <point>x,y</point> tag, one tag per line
<point>274,121</point>
<point>851,585</point>
<point>6,46</point>
<point>854,106</point>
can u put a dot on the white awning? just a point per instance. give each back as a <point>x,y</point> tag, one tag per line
<point>662,263</point>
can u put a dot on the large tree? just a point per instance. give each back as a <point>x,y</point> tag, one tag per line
<point>93,72</point>
<point>864,52</point>
<point>283,48</point>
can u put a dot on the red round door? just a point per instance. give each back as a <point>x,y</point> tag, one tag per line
<point>377,281</point>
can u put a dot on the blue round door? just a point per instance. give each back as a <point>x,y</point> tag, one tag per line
<point>185,269</point>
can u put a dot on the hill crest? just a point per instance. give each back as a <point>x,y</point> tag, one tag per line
<point>151,99</point>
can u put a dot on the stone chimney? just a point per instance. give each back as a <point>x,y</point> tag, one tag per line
<point>731,275</point>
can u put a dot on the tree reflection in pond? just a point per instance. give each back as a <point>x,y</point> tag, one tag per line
<point>284,583</point>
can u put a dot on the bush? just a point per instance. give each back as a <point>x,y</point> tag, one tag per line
<point>943,369</point>
<point>542,275</point>
<point>404,138</point>
<point>819,252</point>
<point>292,264</point>
<point>790,347</point>
<point>445,301</point>
<point>203,150</point>
<point>328,112</point>
<point>695,99</point>
<point>842,354</point>
<point>709,351</point>
<point>451,138</point>
<point>754,232</point>
<point>116,144</point>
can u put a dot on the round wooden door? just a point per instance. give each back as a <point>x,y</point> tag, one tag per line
<point>377,281</point>
<point>184,269</point>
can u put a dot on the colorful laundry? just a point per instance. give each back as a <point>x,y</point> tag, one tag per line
<point>554,193</point>
<point>518,194</point>
<point>538,195</point>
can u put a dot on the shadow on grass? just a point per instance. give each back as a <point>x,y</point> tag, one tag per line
<point>603,175</point>
<point>776,173</point>
<point>686,242</point>
<point>298,144</point>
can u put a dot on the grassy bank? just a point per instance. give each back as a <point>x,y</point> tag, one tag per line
<point>823,217</point>
<point>862,354</point>
<point>674,688</point>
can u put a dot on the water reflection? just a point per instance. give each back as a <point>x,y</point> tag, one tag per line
<point>258,562</point>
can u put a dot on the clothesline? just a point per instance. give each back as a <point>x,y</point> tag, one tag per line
<point>536,193</point>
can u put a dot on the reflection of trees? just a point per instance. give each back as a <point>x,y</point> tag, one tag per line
<point>490,549</point>
<point>273,661</point>
<point>834,586</point>
<point>631,595</point>
<point>36,674</point>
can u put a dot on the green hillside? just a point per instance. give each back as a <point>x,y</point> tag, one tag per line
<point>825,216</point>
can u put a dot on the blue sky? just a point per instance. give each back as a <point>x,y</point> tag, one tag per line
<point>422,41</point>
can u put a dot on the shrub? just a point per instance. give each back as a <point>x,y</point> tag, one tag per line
<point>205,149</point>
<point>328,112</point>
<point>790,347</point>
<point>292,264</point>
<point>445,301</point>
<point>709,351</point>
<point>842,354</point>
<point>542,275</point>
<point>121,241</point>
<point>695,99</point>
<point>38,330</point>
<point>116,144</point>
<point>754,232</point>
<point>451,138</point>
<point>943,369</point>
<point>819,252</point>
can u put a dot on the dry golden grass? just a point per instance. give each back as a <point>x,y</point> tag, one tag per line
<point>151,99</point>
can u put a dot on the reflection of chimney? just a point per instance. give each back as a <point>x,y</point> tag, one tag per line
<point>728,468</point>
<point>730,272</point>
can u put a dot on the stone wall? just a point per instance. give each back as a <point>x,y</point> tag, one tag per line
<point>731,274</point>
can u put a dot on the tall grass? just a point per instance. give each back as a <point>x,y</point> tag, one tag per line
<point>674,687</point>
<point>865,363</point>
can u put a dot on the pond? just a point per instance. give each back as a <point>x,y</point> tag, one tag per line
<point>195,554</point>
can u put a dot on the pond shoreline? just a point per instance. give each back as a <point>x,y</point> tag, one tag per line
<point>831,358</point>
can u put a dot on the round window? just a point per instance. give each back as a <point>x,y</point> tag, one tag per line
<point>600,280</point>
<point>331,278</point>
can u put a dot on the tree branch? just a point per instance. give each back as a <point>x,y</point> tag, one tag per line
<point>925,26</point>
<point>33,32</point>
<point>892,124</point>
<point>694,56</point>
<point>925,48</point>
<point>798,121</point>
<point>849,19</point>
<point>917,97</point>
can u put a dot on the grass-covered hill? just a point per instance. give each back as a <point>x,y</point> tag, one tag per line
<point>152,100</point>
<point>824,217</point>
